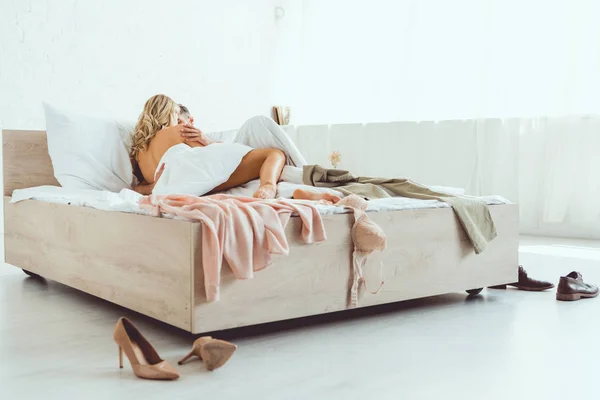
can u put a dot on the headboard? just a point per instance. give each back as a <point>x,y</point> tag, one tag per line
<point>26,161</point>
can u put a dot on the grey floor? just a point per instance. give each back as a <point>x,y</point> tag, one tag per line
<point>56,342</point>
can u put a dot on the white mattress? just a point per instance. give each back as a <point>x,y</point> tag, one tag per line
<point>126,201</point>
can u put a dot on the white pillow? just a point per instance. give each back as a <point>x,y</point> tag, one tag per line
<point>88,152</point>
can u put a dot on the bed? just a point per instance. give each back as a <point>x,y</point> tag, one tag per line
<point>153,265</point>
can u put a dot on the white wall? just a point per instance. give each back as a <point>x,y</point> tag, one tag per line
<point>401,60</point>
<point>107,57</point>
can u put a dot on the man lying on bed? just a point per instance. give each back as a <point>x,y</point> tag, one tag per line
<point>164,124</point>
<point>159,128</point>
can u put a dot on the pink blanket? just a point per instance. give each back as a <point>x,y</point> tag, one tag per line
<point>245,231</point>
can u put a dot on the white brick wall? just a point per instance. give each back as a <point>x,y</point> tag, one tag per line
<point>218,57</point>
<point>224,59</point>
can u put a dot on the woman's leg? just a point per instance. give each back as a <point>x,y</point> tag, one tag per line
<point>265,164</point>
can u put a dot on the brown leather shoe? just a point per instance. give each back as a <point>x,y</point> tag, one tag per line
<point>572,287</point>
<point>527,283</point>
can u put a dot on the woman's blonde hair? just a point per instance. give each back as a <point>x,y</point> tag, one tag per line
<point>160,112</point>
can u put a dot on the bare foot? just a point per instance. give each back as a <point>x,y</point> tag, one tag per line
<point>266,191</point>
<point>303,194</point>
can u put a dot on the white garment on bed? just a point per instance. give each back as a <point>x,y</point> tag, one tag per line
<point>198,170</point>
<point>261,132</point>
<point>127,200</point>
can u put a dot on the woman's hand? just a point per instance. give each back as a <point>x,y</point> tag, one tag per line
<point>158,174</point>
<point>192,134</point>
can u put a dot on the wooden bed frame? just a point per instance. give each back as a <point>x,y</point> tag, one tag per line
<point>153,265</point>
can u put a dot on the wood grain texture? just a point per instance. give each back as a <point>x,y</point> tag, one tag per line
<point>26,161</point>
<point>142,263</point>
<point>428,254</point>
<point>154,266</point>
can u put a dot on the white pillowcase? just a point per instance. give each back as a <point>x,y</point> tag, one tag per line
<point>88,152</point>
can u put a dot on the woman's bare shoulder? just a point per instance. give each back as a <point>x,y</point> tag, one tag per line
<point>161,142</point>
<point>170,134</point>
<point>165,139</point>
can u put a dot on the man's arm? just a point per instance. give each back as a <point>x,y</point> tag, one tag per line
<point>192,134</point>
<point>145,188</point>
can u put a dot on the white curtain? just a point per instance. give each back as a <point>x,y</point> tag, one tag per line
<point>559,169</point>
<point>480,156</point>
<point>490,81</point>
<point>550,165</point>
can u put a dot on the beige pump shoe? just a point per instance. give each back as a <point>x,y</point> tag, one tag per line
<point>214,352</point>
<point>144,360</point>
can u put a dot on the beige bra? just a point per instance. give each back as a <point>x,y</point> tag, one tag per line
<point>367,237</point>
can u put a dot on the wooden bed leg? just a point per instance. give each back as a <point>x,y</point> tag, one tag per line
<point>31,274</point>
<point>474,292</point>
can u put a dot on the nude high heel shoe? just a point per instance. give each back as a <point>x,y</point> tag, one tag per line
<point>144,360</point>
<point>214,352</point>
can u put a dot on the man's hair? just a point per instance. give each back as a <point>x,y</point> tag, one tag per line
<point>183,110</point>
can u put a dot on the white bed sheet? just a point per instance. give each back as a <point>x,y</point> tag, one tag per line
<point>127,200</point>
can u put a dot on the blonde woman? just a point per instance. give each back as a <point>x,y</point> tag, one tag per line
<point>159,128</point>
